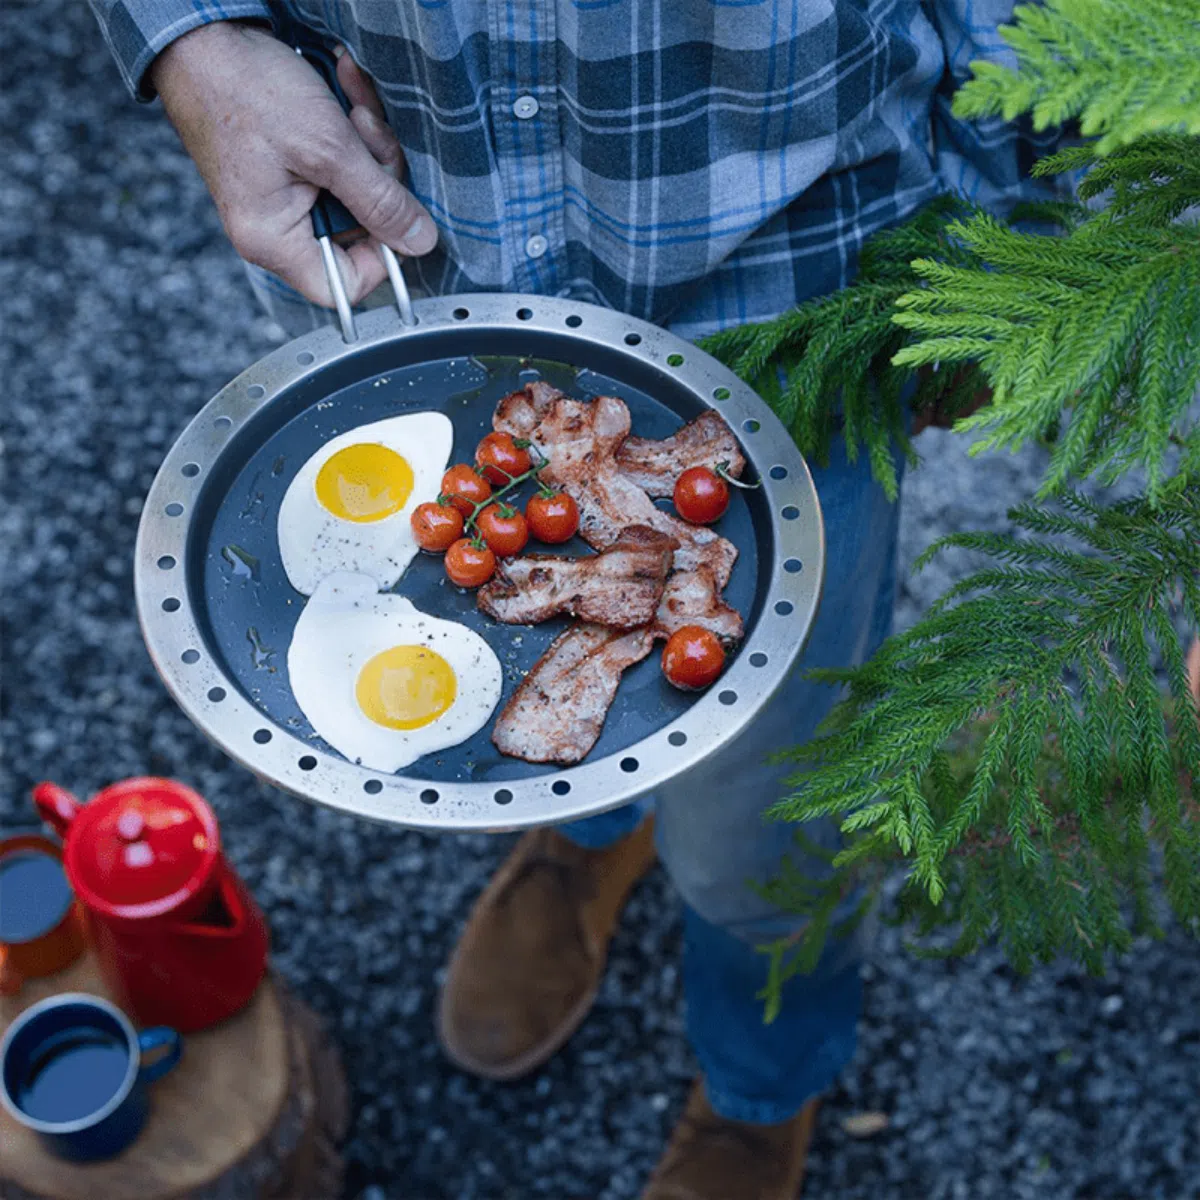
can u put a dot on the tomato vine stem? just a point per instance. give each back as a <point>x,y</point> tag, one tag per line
<point>514,481</point>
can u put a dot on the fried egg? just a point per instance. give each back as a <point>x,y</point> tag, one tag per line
<point>384,683</point>
<point>348,507</point>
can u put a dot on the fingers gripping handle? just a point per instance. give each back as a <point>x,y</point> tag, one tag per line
<point>330,217</point>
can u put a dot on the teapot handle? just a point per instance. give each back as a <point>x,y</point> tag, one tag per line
<point>56,806</point>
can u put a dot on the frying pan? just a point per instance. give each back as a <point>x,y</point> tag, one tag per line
<point>217,611</point>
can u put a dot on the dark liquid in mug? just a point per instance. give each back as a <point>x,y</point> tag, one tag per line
<point>74,1075</point>
<point>34,895</point>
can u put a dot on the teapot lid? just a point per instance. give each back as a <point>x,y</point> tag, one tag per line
<point>141,848</point>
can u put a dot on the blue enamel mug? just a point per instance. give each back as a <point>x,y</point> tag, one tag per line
<point>72,1070</point>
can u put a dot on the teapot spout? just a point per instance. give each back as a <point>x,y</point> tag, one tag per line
<point>56,806</point>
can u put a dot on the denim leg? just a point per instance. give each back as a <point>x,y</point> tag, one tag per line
<point>753,1071</point>
<point>714,841</point>
<point>594,833</point>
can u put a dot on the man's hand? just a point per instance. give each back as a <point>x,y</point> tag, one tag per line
<point>267,134</point>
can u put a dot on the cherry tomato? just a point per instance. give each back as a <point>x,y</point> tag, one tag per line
<point>464,487</point>
<point>501,459</point>
<point>553,517</point>
<point>469,564</point>
<point>701,495</point>
<point>436,525</point>
<point>503,529</point>
<point>692,658</point>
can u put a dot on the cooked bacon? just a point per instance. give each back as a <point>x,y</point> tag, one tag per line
<point>655,465</point>
<point>693,598</point>
<point>581,440</point>
<point>621,587</point>
<point>557,712</point>
<point>520,412</point>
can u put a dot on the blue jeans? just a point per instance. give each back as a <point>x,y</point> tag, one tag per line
<point>714,842</point>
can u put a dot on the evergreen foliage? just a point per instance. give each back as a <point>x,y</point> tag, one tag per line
<point>844,345</point>
<point>1029,751</point>
<point>1125,68</point>
<point>1094,324</point>
<point>1052,647</point>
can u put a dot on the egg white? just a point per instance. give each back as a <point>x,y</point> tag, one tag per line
<point>314,543</point>
<point>343,626</point>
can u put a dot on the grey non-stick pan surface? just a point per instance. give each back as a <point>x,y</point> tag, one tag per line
<point>218,611</point>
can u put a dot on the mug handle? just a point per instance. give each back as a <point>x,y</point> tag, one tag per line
<point>153,1039</point>
<point>10,977</point>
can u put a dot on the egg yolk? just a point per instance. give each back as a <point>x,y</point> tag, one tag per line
<point>406,687</point>
<point>364,482</point>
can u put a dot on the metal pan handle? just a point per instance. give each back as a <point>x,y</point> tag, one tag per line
<point>331,218</point>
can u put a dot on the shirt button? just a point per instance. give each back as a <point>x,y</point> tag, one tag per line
<point>525,107</point>
<point>536,246</point>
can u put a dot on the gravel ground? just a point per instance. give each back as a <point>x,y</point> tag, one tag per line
<point>121,311</point>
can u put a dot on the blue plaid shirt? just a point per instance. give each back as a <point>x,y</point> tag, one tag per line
<point>698,163</point>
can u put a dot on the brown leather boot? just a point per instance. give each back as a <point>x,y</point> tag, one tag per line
<point>710,1158</point>
<point>528,965</point>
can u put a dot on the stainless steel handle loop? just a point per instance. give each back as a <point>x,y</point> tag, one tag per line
<point>342,302</point>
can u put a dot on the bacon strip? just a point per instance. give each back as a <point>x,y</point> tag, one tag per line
<point>558,711</point>
<point>523,410</point>
<point>581,442</point>
<point>620,587</point>
<point>655,465</point>
<point>693,598</point>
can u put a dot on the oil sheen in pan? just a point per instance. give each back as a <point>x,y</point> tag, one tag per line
<point>253,609</point>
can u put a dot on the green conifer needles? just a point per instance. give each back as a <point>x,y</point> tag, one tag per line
<point>1125,68</point>
<point>1095,323</point>
<point>1029,751</point>
<point>842,346</point>
<point>1040,833</point>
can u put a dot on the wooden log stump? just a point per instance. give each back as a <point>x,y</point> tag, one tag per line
<point>254,1111</point>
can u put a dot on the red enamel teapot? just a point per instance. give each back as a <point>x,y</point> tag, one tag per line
<point>178,935</point>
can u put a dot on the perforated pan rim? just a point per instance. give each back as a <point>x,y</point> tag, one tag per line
<point>191,671</point>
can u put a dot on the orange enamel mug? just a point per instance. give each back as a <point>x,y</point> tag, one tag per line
<point>42,926</point>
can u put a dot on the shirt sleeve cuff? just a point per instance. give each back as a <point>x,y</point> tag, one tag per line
<point>137,31</point>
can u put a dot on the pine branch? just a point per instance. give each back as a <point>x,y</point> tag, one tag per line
<point>830,360</point>
<point>1015,751</point>
<point>1029,752</point>
<point>1125,68</point>
<point>1080,770</point>
<point>1096,323</point>
<point>1152,182</point>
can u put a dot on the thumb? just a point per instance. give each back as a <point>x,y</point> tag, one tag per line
<point>389,212</point>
